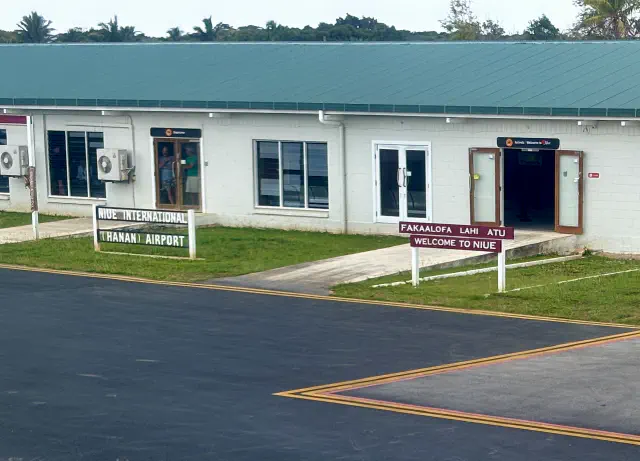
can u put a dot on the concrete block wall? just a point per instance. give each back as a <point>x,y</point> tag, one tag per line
<point>611,203</point>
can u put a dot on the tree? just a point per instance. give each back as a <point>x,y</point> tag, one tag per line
<point>113,32</point>
<point>206,34</point>
<point>8,36</point>
<point>492,30</point>
<point>542,29</point>
<point>174,34</point>
<point>73,35</point>
<point>34,29</point>
<point>461,22</point>
<point>608,19</point>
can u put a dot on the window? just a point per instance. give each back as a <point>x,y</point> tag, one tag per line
<point>4,180</point>
<point>292,174</point>
<point>72,164</point>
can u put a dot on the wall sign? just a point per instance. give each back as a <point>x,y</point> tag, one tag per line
<point>529,143</point>
<point>13,119</point>
<point>140,237</point>
<point>176,133</point>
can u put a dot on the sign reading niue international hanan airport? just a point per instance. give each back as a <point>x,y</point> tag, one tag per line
<point>138,236</point>
<point>145,216</point>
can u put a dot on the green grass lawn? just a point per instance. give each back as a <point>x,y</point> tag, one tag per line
<point>13,219</point>
<point>224,252</point>
<point>607,299</point>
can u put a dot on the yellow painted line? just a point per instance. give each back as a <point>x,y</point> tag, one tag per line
<point>497,422</point>
<point>124,278</point>
<point>379,379</point>
<point>327,394</point>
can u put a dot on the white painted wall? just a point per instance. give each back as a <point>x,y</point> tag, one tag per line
<point>612,203</point>
<point>16,135</point>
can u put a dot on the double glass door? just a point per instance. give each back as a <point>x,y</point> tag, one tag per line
<point>402,180</point>
<point>178,174</point>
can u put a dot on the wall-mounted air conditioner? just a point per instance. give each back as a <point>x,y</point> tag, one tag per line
<point>14,160</point>
<point>113,165</point>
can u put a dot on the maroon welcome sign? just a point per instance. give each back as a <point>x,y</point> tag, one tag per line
<point>456,243</point>
<point>457,230</point>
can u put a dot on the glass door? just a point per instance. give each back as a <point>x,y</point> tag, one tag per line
<point>402,183</point>
<point>569,190</point>
<point>484,186</point>
<point>178,181</point>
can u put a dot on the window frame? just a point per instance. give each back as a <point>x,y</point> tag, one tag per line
<point>6,141</point>
<point>256,177</point>
<point>68,169</point>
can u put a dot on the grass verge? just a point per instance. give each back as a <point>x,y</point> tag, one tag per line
<point>13,219</point>
<point>606,299</point>
<point>224,251</point>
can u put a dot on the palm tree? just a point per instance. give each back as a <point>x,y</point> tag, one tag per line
<point>73,35</point>
<point>34,29</point>
<point>208,34</point>
<point>174,34</point>
<point>611,19</point>
<point>113,32</point>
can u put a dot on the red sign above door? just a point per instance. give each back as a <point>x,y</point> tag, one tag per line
<point>457,230</point>
<point>13,120</point>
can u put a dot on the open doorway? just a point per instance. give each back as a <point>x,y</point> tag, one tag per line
<point>529,189</point>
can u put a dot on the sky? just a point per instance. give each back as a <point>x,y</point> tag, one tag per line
<point>154,17</point>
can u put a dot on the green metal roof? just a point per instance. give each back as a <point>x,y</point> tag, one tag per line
<point>510,78</point>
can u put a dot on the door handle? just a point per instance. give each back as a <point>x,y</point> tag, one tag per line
<point>405,177</point>
<point>398,173</point>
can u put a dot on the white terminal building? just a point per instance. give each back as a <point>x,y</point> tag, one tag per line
<point>341,137</point>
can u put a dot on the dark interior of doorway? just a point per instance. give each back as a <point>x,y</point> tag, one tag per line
<point>529,189</point>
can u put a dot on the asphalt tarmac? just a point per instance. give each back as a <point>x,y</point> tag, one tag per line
<point>96,369</point>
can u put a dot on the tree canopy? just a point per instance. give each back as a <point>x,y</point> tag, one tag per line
<point>597,19</point>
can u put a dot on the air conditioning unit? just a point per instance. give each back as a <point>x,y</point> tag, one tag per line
<point>14,160</point>
<point>113,165</point>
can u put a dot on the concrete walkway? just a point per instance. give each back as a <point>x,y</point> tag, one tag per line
<point>318,277</point>
<point>66,228</point>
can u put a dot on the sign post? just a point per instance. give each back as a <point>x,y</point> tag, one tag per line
<point>415,266</point>
<point>192,233</point>
<point>136,237</point>
<point>31,179</point>
<point>457,237</point>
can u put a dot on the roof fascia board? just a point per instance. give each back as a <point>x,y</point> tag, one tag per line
<point>30,108</point>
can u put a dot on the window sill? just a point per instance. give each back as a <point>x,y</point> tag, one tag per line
<point>5,196</point>
<point>301,213</point>
<point>76,200</point>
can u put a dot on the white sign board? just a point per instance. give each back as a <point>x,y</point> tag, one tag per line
<point>135,237</point>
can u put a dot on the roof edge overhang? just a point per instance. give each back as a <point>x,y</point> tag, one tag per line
<point>469,112</point>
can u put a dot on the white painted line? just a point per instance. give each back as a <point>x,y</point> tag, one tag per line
<point>483,271</point>
<point>147,360</point>
<point>88,375</point>
<point>574,280</point>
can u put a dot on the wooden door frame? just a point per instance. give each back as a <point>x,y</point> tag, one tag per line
<point>179,143</point>
<point>156,156</point>
<point>498,193</point>
<point>565,229</point>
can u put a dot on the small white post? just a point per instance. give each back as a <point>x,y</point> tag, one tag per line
<point>191,219</point>
<point>415,266</point>
<point>96,242</point>
<point>502,270</point>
